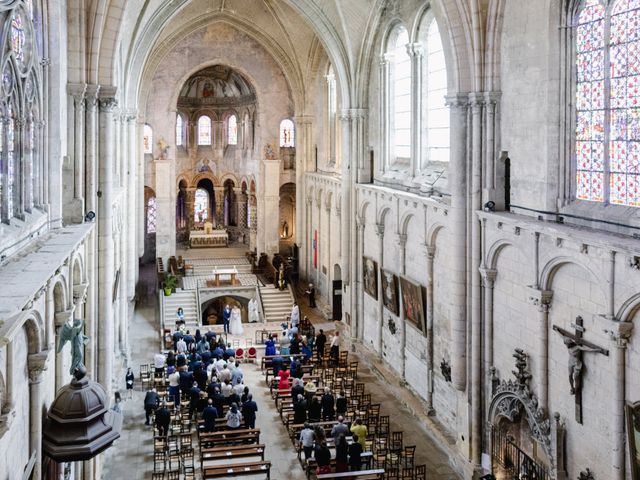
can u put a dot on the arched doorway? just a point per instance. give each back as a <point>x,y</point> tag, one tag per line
<point>230,217</point>
<point>150,216</point>
<point>287,225</point>
<point>212,309</point>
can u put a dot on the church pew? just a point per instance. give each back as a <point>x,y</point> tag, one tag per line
<point>230,453</point>
<point>311,465</point>
<point>377,474</point>
<point>266,359</point>
<point>237,470</point>
<point>223,437</point>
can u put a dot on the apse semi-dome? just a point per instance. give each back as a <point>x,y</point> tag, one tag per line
<point>215,85</point>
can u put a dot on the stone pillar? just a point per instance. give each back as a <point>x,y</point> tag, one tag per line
<point>541,299</point>
<point>242,210</point>
<point>488,281</point>
<point>37,364</point>
<point>237,193</point>
<point>219,213</point>
<point>380,233</point>
<point>165,202</point>
<point>414,50</point>
<point>305,162</point>
<point>620,336</point>
<point>78,94</point>
<point>9,402</point>
<point>458,240</point>
<point>190,201</point>
<point>106,246</point>
<point>142,221</point>
<point>327,209</point>
<point>359,312</point>
<point>319,243</point>
<point>308,243</point>
<point>431,251</point>
<point>402,243</point>
<point>131,220</point>
<point>384,114</point>
<point>271,204</point>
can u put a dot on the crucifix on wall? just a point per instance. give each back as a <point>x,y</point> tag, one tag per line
<point>576,346</point>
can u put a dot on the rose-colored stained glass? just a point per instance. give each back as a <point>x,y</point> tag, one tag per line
<point>624,67</point>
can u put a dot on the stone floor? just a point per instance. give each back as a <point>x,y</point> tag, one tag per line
<point>131,456</point>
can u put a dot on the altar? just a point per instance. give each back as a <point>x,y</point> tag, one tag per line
<point>223,276</point>
<point>213,238</point>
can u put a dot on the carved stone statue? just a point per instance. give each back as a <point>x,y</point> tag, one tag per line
<point>73,333</point>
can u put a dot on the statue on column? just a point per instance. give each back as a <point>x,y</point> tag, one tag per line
<point>73,333</point>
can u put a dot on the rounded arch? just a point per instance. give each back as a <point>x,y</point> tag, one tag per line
<point>182,180</point>
<point>328,199</point>
<point>77,270</point>
<point>33,323</point>
<point>405,220</point>
<point>382,214</point>
<point>494,252</point>
<point>432,234</point>
<point>205,176</point>
<point>229,176</point>
<point>629,308</point>
<point>362,214</point>
<point>555,264</point>
<point>60,293</point>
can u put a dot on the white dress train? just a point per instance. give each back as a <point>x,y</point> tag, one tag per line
<point>235,323</point>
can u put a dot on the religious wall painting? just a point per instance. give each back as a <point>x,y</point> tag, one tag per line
<point>269,152</point>
<point>633,438</point>
<point>412,305</point>
<point>203,166</point>
<point>370,276</point>
<point>389,284</point>
<point>207,90</point>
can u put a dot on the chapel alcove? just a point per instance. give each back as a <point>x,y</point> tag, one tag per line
<point>212,309</point>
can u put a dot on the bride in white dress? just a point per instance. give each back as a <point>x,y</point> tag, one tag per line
<point>235,323</point>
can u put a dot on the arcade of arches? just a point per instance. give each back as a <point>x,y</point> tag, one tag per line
<point>458,179</point>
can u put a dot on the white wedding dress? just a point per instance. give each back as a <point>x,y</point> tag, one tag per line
<point>235,323</point>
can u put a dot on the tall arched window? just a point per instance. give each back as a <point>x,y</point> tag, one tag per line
<point>401,96</point>
<point>201,205</point>
<point>331,119</point>
<point>151,215</point>
<point>20,107</point>
<point>287,138</point>
<point>147,139</point>
<point>232,130</point>
<point>607,144</point>
<point>179,130</point>
<point>204,130</point>
<point>437,113</point>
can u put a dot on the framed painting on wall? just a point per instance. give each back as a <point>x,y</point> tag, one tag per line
<point>389,284</point>
<point>370,276</point>
<point>412,305</point>
<point>633,438</point>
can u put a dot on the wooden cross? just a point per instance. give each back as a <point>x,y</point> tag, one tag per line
<point>577,345</point>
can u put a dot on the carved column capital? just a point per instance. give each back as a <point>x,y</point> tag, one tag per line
<point>380,229</point>
<point>37,364</point>
<point>63,317</point>
<point>540,299</point>
<point>108,104</point>
<point>488,277</point>
<point>620,333</point>
<point>457,101</point>
<point>415,49</point>
<point>431,251</point>
<point>80,294</point>
<point>402,240</point>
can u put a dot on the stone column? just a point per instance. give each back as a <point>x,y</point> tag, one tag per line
<point>308,244</point>
<point>242,210</point>
<point>78,94</point>
<point>271,202</point>
<point>327,209</point>
<point>414,50</point>
<point>402,243</point>
<point>237,192</point>
<point>190,200</point>
<point>620,336</point>
<point>106,246</point>
<point>488,280</point>
<point>142,227</point>
<point>347,158</point>
<point>385,113</point>
<point>9,402</point>
<point>380,233</point>
<point>219,213</point>
<point>318,243</point>
<point>132,251</point>
<point>458,239</point>
<point>541,299</point>
<point>431,251</point>
<point>305,162</point>
<point>37,364</point>
<point>359,312</point>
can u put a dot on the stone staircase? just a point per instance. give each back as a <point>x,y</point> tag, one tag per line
<point>276,304</point>
<point>185,299</point>
<point>206,266</point>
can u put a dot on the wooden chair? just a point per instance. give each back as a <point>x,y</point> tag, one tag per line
<point>408,456</point>
<point>383,426</point>
<point>407,473</point>
<point>173,475</point>
<point>239,354</point>
<point>392,473</point>
<point>252,354</point>
<point>380,458</point>
<point>187,457</point>
<point>396,443</point>
<point>157,476</point>
<point>159,462</point>
<point>185,441</point>
<point>420,472</point>
<point>189,473</point>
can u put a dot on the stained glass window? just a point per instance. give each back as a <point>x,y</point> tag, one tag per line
<point>232,126</point>
<point>401,95</point>
<point>201,205</point>
<point>147,139</point>
<point>608,103</point>
<point>437,111</point>
<point>18,37</point>
<point>11,170</point>
<point>624,140</point>
<point>179,130</point>
<point>152,215</point>
<point>286,133</point>
<point>204,130</point>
